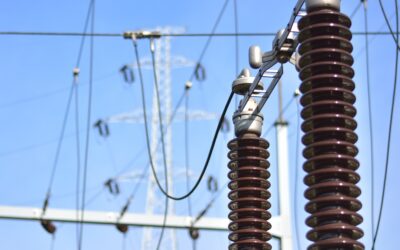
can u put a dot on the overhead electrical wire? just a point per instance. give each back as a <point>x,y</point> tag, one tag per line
<point>146,166</point>
<point>48,94</point>
<point>356,9</point>
<point>180,100</point>
<point>209,204</point>
<point>88,124</point>
<point>78,142</point>
<point>203,51</point>
<point>52,242</point>
<point>396,41</point>
<point>372,39</point>
<point>78,163</point>
<point>143,97</point>
<point>119,35</point>
<point>207,44</point>
<point>59,143</point>
<point>388,146</point>
<point>160,122</point>
<point>64,124</point>
<point>181,197</point>
<point>33,98</point>
<point>370,118</point>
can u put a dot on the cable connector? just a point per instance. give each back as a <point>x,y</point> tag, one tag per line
<point>142,34</point>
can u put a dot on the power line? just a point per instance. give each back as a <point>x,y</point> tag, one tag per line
<point>32,98</point>
<point>221,120</point>
<point>389,133</point>
<point>119,35</point>
<point>210,203</point>
<point>78,153</point>
<point>371,40</point>
<point>88,124</point>
<point>388,25</point>
<point>371,134</point>
<point>356,9</point>
<point>47,94</point>
<point>147,131</point>
<point>236,20</point>
<point>146,166</point>
<point>211,35</point>
<point>52,242</point>
<point>78,157</point>
<point>216,132</point>
<point>60,141</point>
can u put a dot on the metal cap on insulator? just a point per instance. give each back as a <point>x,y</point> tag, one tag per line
<point>122,228</point>
<point>249,120</point>
<point>48,226</point>
<point>320,4</point>
<point>285,52</point>
<point>243,82</point>
<point>194,233</point>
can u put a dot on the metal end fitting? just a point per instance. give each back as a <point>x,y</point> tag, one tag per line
<point>243,82</point>
<point>320,4</point>
<point>142,34</point>
<point>248,121</point>
<point>288,48</point>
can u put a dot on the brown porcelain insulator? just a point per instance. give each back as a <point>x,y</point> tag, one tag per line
<point>249,193</point>
<point>326,72</point>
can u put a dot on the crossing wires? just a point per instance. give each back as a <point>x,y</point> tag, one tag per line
<point>73,90</point>
<point>88,125</point>
<point>394,36</point>
<point>221,120</point>
<point>388,146</point>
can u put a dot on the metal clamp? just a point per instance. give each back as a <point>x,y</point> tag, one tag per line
<point>141,34</point>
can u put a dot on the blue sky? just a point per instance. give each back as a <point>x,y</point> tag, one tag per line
<point>41,67</point>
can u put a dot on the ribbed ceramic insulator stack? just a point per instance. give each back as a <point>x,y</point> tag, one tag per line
<point>326,72</point>
<point>249,193</point>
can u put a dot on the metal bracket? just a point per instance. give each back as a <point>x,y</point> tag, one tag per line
<point>270,88</point>
<point>284,45</point>
<point>260,74</point>
<point>289,26</point>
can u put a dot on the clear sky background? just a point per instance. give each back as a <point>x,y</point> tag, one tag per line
<point>36,73</point>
